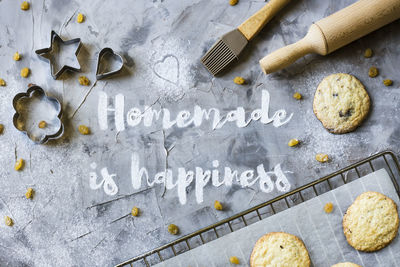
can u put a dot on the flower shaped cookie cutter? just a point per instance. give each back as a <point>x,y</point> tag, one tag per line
<point>38,115</point>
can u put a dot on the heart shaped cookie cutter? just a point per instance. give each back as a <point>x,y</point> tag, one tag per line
<point>105,68</point>
<point>38,115</point>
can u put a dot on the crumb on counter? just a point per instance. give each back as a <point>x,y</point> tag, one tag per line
<point>233,2</point>
<point>25,5</point>
<point>297,96</point>
<point>2,82</point>
<point>234,260</point>
<point>16,56</point>
<point>388,82</point>
<point>293,142</point>
<point>19,164</point>
<point>42,124</point>
<point>135,211</point>
<point>173,229</point>
<point>373,72</point>
<point>9,221</point>
<point>83,80</point>
<point>80,18</point>
<point>239,80</point>
<point>368,53</point>
<point>328,208</point>
<point>25,72</point>
<point>322,157</point>
<point>217,205</point>
<point>29,193</point>
<point>1,128</point>
<point>83,129</point>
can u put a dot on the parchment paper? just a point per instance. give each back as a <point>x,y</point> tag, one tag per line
<point>321,233</point>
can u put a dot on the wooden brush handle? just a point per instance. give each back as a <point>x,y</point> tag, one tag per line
<point>335,31</point>
<point>255,23</point>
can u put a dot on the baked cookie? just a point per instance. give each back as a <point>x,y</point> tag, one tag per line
<point>371,222</point>
<point>341,103</point>
<point>279,249</point>
<point>346,264</point>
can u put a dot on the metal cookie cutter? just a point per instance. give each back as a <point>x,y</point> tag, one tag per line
<point>108,63</point>
<point>38,115</point>
<point>55,42</point>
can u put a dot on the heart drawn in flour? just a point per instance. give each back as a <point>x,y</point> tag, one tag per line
<point>167,69</point>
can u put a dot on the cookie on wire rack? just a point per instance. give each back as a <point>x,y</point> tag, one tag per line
<point>371,222</point>
<point>346,264</point>
<point>279,249</point>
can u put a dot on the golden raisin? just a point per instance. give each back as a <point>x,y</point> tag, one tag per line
<point>135,211</point>
<point>42,124</point>
<point>322,157</point>
<point>173,229</point>
<point>373,72</point>
<point>16,56</point>
<point>297,96</point>
<point>9,221</point>
<point>293,142</point>
<point>1,128</point>
<point>83,129</point>
<point>2,82</point>
<point>25,5</point>
<point>80,18</point>
<point>387,82</point>
<point>368,53</point>
<point>328,208</point>
<point>217,205</point>
<point>19,164</point>
<point>239,80</point>
<point>234,260</point>
<point>233,2</point>
<point>25,72</point>
<point>29,193</point>
<point>83,80</point>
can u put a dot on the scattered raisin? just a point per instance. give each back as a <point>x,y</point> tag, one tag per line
<point>239,80</point>
<point>83,80</point>
<point>373,72</point>
<point>25,72</point>
<point>388,82</point>
<point>368,53</point>
<point>135,211</point>
<point>322,157</point>
<point>217,205</point>
<point>234,260</point>
<point>1,128</point>
<point>25,5</point>
<point>9,221</point>
<point>293,142</point>
<point>2,82</point>
<point>173,229</point>
<point>328,208</point>
<point>80,18</point>
<point>16,56</point>
<point>83,129</point>
<point>42,124</point>
<point>297,96</point>
<point>29,193</point>
<point>233,2</point>
<point>19,164</point>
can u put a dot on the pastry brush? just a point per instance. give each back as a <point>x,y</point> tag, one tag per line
<point>231,44</point>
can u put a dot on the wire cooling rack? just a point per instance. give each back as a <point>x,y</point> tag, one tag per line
<point>385,159</point>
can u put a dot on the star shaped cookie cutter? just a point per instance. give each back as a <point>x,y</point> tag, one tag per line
<point>44,52</point>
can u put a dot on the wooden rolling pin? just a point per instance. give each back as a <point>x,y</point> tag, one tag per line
<point>335,31</point>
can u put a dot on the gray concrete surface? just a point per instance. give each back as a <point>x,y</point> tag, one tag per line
<point>68,223</point>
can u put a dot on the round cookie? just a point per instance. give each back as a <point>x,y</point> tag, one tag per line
<point>279,249</point>
<point>371,222</point>
<point>346,264</point>
<point>341,103</point>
